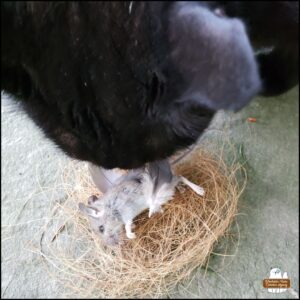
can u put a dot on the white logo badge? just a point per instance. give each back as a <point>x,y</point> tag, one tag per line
<point>275,273</point>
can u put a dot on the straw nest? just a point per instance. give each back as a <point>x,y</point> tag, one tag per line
<point>168,246</point>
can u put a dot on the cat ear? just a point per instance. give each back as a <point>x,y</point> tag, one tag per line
<point>214,57</point>
<point>89,211</point>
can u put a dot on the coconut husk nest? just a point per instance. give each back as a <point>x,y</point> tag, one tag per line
<point>168,246</point>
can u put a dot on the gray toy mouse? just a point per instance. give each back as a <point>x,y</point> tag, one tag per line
<point>131,194</point>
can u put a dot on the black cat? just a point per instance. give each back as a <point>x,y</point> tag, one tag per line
<point>120,84</point>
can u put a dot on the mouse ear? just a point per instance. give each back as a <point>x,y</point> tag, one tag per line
<point>104,179</point>
<point>214,57</point>
<point>89,211</point>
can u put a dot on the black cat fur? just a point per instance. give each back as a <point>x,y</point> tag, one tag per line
<point>120,84</point>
